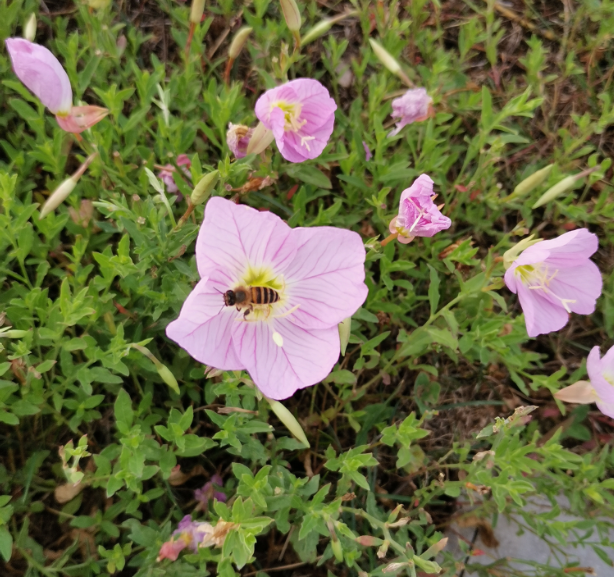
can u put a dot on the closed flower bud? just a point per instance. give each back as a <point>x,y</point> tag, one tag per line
<point>344,333</point>
<point>289,420</point>
<point>238,42</point>
<point>318,30</point>
<point>205,186</point>
<point>335,545</point>
<point>14,334</point>
<point>291,15</point>
<point>167,376</point>
<point>260,140</point>
<point>197,11</point>
<point>530,183</point>
<point>29,30</point>
<point>59,195</point>
<point>394,567</point>
<point>368,541</point>
<point>555,191</point>
<point>387,59</point>
<point>435,549</point>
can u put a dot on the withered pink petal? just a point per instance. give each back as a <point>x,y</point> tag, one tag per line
<point>81,118</point>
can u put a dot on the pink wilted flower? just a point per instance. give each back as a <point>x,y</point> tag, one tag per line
<point>208,491</point>
<point>554,278</point>
<point>368,154</point>
<point>413,106</point>
<point>418,214</point>
<point>166,174</point>
<point>600,388</point>
<point>41,72</point>
<point>311,278</point>
<point>301,115</point>
<point>237,138</point>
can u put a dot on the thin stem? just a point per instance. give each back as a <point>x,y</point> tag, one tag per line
<point>229,64</point>
<point>188,44</point>
<point>389,238</point>
<point>186,215</point>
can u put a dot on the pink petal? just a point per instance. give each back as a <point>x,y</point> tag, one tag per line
<point>540,315</point>
<point>581,283</point>
<point>234,237</point>
<point>570,249</point>
<point>606,408</point>
<point>81,118</point>
<point>582,393</point>
<point>326,278</point>
<point>601,375</point>
<point>41,72</point>
<point>304,359</point>
<point>205,325</point>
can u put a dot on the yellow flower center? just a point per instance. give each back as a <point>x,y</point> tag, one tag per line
<point>538,277</point>
<point>292,117</point>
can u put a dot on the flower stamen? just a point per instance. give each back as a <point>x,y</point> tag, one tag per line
<point>529,275</point>
<point>292,113</point>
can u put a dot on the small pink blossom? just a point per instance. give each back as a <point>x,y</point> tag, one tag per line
<point>166,174</point>
<point>237,138</point>
<point>301,115</point>
<point>41,72</point>
<point>368,155</point>
<point>554,278</point>
<point>418,214</point>
<point>208,491</point>
<point>601,375</point>
<point>413,106</point>
<point>317,273</point>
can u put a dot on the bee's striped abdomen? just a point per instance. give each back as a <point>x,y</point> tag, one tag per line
<point>262,295</point>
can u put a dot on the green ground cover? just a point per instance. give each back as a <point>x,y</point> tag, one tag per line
<point>410,421</point>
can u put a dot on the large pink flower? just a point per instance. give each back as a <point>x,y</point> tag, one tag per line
<point>301,115</point>
<point>418,214</point>
<point>43,75</point>
<point>554,278</point>
<point>318,274</point>
<point>413,106</point>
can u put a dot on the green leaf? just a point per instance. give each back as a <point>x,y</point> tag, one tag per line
<point>123,409</point>
<point>6,543</point>
<point>310,175</point>
<point>433,290</point>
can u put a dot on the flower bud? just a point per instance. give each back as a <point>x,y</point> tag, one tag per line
<point>162,370</point>
<point>14,334</point>
<point>205,186</point>
<point>368,541</point>
<point>197,11</point>
<point>291,14</point>
<point>238,42</point>
<point>531,182</point>
<point>29,30</point>
<point>318,30</point>
<point>394,567</point>
<point>289,420</point>
<point>556,190</point>
<point>435,549</point>
<point>345,327</point>
<point>387,59</point>
<point>260,140</point>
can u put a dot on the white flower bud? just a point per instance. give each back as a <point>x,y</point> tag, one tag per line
<point>238,42</point>
<point>345,327</point>
<point>29,30</point>
<point>289,420</point>
<point>318,30</point>
<point>260,140</point>
<point>291,14</point>
<point>197,11</point>
<point>387,59</point>
<point>205,186</point>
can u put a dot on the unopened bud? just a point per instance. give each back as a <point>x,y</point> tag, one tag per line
<point>238,42</point>
<point>387,59</point>
<point>556,190</point>
<point>394,567</point>
<point>345,327</point>
<point>435,549</point>
<point>530,183</point>
<point>14,334</point>
<point>197,11</point>
<point>289,420</point>
<point>61,193</point>
<point>381,552</point>
<point>162,370</point>
<point>291,14</point>
<point>205,186</point>
<point>29,30</point>
<point>318,30</point>
<point>368,541</point>
<point>260,140</point>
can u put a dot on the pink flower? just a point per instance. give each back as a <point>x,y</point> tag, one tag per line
<point>301,115</point>
<point>166,174</point>
<point>413,106</point>
<point>368,155</point>
<point>208,491</point>
<point>237,138</point>
<point>41,72</point>
<point>601,374</point>
<point>554,278</point>
<point>317,280</point>
<point>418,215</point>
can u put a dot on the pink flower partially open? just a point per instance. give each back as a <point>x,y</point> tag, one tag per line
<point>413,106</point>
<point>41,72</point>
<point>554,278</point>
<point>237,138</point>
<point>301,115</point>
<point>317,278</point>
<point>166,175</point>
<point>418,214</point>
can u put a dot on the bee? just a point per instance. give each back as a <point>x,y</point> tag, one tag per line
<point>246,298</point>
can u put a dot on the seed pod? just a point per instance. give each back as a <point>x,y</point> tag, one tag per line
<point>345,327</point>
<point>238,42</point>
<point>197,11</point>
<point>556,190</point>
<point>318,30</point>
<point>205,186</point>
<point>530,183</point>
<point>289,420</point>
<point>260,140</point>
<point>387,59</point>
<point>291,14</point>
<point>29,30</point>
